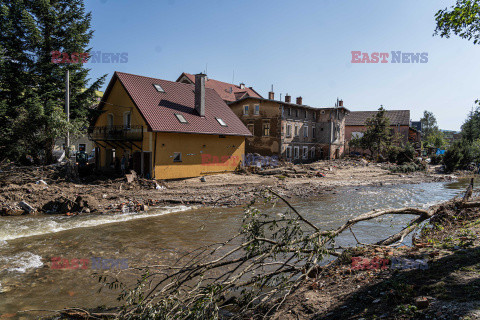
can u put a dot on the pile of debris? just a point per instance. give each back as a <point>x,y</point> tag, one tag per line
<point>18,209</point>
<point>128,207</point>
<point>64,205</point>
<point>295,171</point>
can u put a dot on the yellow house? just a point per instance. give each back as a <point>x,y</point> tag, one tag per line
<point>166,130</point>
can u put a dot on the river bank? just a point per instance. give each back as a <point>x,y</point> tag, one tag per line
<point>437,277</point>
<point>47,193</point>
<point>161,236</point>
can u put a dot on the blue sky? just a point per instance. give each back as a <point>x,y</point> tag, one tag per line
<point>301,47</point>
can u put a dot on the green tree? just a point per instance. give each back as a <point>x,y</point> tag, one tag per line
<point>432,135</point>
<point>429,123</point>
<point>378,136</point>
<point>461,155</point>
<point>471,127</point>
<point>462,20</point>
<point>436,139</point>
<point>32,88</point>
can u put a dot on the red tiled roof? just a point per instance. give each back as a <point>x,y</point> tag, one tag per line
<point>227,91</point>
<point>159,108</point>
<point>397,117</point>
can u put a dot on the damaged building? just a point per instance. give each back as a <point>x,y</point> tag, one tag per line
<point>292,131</point>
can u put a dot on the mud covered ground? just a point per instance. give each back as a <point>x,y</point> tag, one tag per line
<point>100,194</point>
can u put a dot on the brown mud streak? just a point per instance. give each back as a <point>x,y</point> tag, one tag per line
<point>104,194</point>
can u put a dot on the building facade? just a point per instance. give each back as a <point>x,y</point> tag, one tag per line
<point>355,125</point>
<point>292,131</point>
<point>166,130</point>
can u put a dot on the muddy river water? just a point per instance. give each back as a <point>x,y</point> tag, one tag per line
<point>28,244</point>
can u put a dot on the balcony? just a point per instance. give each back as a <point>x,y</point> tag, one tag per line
<point>116,133</point>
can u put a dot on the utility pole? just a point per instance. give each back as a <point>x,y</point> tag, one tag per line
<point>67,111</point>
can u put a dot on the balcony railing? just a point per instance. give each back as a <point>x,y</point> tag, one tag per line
<point>116,133</point>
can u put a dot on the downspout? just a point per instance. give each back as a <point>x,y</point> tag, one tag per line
<point>155,155</point>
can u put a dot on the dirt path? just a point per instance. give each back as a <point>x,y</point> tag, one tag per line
<point>221,189</point>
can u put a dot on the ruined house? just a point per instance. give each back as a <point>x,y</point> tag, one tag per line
<point>167,130</point>
<point>292,131</point>
<point>400,124</point>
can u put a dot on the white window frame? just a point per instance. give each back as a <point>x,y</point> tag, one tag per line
<point>288,153</point>
<point>256,109</point>
<point>127,115</point>
<point>305,131</point>
<point>312,152</point>
<point>289,132</point>
<point>296,152</point>
<point>305,153</point>
<point>245,110</point>
<point>296,131</point>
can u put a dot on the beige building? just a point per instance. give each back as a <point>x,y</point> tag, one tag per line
<point>292,131</point>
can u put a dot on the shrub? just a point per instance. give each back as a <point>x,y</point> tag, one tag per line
<point>461,154</point>
<point>436,159</point>
<point>401,155</point>
<point>407,167</point>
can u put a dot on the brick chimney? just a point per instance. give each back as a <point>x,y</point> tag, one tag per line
<point>299,100</point>
<point>200,94</point>
<point>288,98</point>
<point>242,85</point>
<point>340,103</point>
<point>271,95</point>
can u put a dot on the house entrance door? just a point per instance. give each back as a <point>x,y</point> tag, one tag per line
<point>143,166</point>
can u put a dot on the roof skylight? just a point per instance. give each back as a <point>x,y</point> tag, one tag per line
<point>159,88</point>
<point>181,118</point>
<point>222,123</point>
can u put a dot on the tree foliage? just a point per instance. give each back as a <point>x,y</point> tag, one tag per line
<point>32,88</point>
<point>471,126</point>
<point>378,135</point>
<point>462,20</point>
<point>432,136</point>
<point>462,155</point>
<point>466,152</point>
<point>429,123</point>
